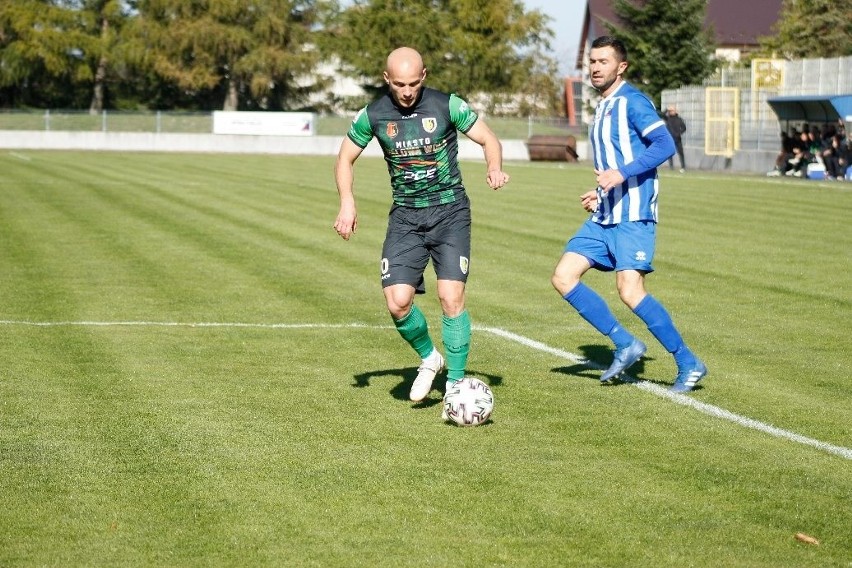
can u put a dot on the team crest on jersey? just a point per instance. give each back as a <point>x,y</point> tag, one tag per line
<point>429,125</point>
<point>392,130</point>
<point>463,264</point>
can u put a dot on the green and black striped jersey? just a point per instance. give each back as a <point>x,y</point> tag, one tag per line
<point>420,145</point>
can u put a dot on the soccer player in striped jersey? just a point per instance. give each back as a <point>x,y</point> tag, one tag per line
<point>628,141</point>
<point>430,218</point>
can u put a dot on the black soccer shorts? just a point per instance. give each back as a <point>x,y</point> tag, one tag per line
<point>416,234</point>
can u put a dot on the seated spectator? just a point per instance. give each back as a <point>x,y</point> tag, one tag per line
<point>816,144</point>
<point>782,160</point>
<point>827,133</point>
<point>802,155</point>
<point>841,129</point>
<point>836,158</point>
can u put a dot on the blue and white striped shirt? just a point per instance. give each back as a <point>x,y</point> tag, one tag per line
<point>627,124</point>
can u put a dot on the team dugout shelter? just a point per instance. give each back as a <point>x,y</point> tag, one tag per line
<point>812,109</point>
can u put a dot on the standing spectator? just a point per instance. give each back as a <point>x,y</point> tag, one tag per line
<point>677,128</point>
<point>629,141</point>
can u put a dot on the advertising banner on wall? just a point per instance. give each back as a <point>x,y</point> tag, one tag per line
<point>263,123</point>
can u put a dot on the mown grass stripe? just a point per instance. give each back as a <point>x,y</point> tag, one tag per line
<point>657,390</point>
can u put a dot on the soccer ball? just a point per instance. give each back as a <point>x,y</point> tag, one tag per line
<point>468,402</point>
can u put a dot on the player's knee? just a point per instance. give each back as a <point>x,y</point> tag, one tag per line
<point>397,312</point>
<point>631,291</point>
<point>398,305</point>
<point>563,282</point>
<point>452,305</point>
<point>631,296</point>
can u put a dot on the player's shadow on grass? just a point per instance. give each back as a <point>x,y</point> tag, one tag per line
<point>407,375</point>
<point>599,359</point>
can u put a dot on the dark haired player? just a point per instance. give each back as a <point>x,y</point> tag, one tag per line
<point>628,142</point>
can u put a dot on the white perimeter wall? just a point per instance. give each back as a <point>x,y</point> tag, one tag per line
<point>222,143</point>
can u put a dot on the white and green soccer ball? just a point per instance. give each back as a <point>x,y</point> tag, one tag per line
<point>468,402</point>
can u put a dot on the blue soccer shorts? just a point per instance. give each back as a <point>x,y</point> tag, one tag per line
<point>623,246</point>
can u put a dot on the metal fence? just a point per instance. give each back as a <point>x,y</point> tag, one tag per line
<point>759,127</point>
<point>106,121</point>
<point>756,129</point>
<point>520,128</point>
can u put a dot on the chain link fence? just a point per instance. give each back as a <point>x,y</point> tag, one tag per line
<point>106,121</point>
<point>749,129</point>
<point>758,127</point>
<point>520,128</point>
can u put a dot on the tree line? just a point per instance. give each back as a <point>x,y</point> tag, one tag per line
<point>263,54</point>
<point>259,54</point>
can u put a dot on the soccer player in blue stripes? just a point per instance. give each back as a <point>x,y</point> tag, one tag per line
<point>628,141</point>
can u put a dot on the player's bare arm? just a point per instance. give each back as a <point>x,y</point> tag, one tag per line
<point>480,133</point>
<point>344,175</point>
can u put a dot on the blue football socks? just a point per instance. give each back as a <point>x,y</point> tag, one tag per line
<point>594,310</point>
<point>660,324</point>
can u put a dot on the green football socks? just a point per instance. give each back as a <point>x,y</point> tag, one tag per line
<point>456,337</point>
<point>413,329</point>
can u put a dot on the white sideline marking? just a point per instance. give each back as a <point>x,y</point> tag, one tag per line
<point>190,324</point>
<point>652,388</point>
<point>682,399</point>
<point>20,156</point>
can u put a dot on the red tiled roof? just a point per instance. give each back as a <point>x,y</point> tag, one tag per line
<point>736,23</point>
<point>741,23</point>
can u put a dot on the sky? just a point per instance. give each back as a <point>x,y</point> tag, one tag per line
<point>567,24</point>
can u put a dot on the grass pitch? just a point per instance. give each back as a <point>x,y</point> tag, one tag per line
<point>198,371</point>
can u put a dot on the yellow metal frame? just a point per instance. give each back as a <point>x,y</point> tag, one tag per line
<point>767,74</point>
<point>721,121</point>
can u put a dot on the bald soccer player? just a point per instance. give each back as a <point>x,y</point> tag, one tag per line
<point>417,129</point>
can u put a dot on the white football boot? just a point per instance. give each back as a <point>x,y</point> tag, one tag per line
<point>431,366</point>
